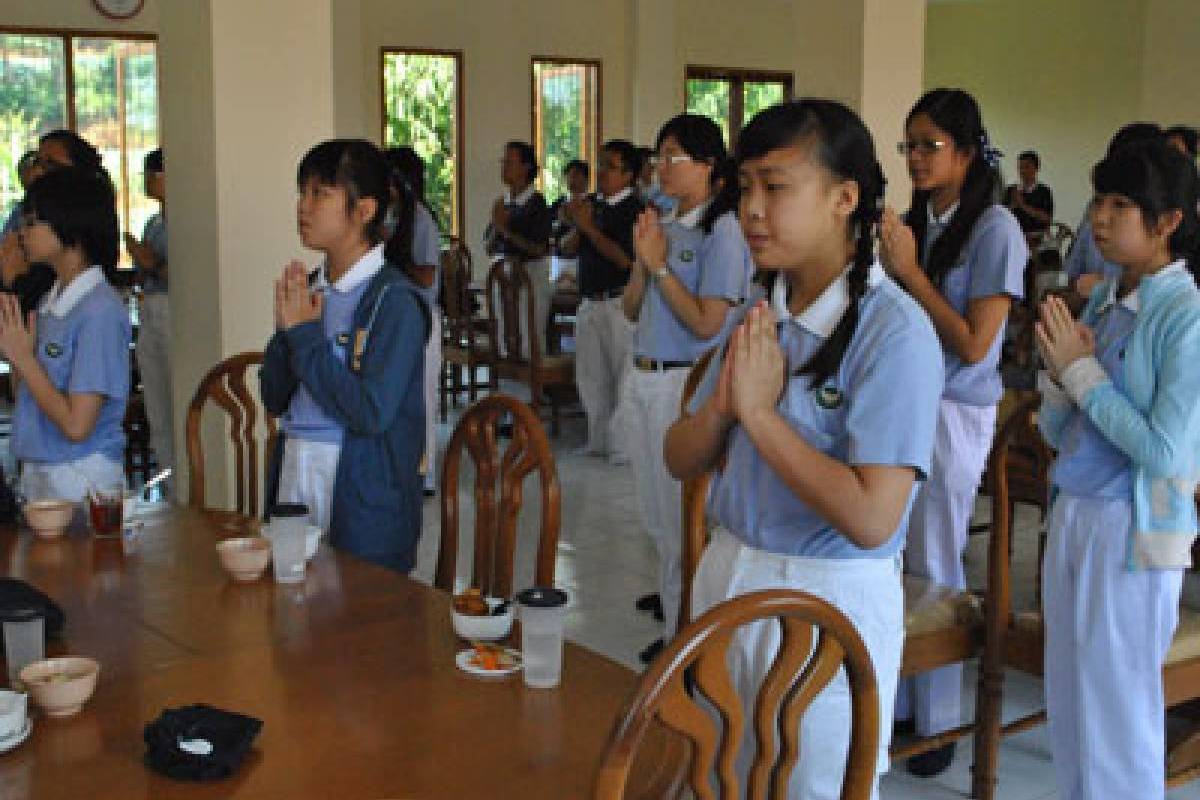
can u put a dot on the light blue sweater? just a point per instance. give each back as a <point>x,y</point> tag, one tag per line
<point>1156,420</point>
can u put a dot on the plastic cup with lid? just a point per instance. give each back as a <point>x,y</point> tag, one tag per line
<point>542,612</point>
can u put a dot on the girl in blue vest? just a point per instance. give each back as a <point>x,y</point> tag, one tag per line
<point>817,454</point>
<point>1123,414</point>
<point>692,268</point>
<point>962,257</point>
<point>344,369</point>
<point>70,357</point>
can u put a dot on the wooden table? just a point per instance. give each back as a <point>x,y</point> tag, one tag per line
<point>351,671</point>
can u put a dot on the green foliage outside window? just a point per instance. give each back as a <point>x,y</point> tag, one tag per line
<point>32,102</point>
<point>757,96</point>
<point>710,97</point>
<point>563,102</point>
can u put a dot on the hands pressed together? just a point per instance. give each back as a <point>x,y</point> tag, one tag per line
<point>295,302</point>
<point>897,247</point>
<point>18,333</point>
<point>754,371</point>
<point>1061,339</point>
<point>649,241</point>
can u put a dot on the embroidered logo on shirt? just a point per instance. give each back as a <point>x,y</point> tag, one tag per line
<point>343,339</point>
<point>686,256</point>
<point>53,350</point>
<point>829,396</point>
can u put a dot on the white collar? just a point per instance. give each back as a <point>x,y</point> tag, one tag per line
<point>942,219</point>
<point>363,269</point>
<point>520,199</point>
<point>619,196</point>
<point>1130,301</point>
<point>59,301</point>
<point>692,218</point>
<point>824,313</point>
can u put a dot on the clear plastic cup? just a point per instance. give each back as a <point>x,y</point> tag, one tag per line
<point>287,530</point>
<point>24,639</point>
<point>542,612</point>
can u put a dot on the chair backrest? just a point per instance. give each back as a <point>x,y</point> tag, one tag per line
<point>225,385</point>
<point>694,496</point>
<point>496,524</point>
<point>507,282</point>
<point>816,641</point>
<point>456,281</point>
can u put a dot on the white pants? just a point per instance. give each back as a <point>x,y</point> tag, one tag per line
<point>603,337</point>
<point>69,480</point>
<point>433,369</point>
<point>649,405</point>
<point>307,476</point>
<point>543,292</point>
<point>868,591</point>
<point>1107,633</point>
<point>154,364</point>
<point>937,537</point>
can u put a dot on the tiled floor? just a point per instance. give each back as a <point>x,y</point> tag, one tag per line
<point>605,560</point>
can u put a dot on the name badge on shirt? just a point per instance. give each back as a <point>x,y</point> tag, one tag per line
<point>360,344</point>
<point>53,350</point>
<point>829,396</point>
<point>343,339</point>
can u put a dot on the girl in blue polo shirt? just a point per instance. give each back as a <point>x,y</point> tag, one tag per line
<point>691,269</point>
<point>344,370</point>
<point>816,453</point>
<point>70,357</point>
<point>1125,421</point>
<point>968,267</point>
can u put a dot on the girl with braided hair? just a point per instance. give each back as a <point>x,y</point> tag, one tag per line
<point>968,267</point>
<point>816,455</point>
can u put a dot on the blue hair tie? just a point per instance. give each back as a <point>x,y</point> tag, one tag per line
<point>991,155</point>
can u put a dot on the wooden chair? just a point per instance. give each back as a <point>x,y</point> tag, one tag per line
<point>548,377</point>
<point>496,526</point>
<point>225,386</point>
<point>1016,639</point>
<point>816,641</point>
<point>694,496</point>
<point>468,340</point>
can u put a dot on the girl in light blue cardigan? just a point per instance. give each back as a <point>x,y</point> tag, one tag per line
<point>1124,415</point>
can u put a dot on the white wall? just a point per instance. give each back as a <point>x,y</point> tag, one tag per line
<point>79,14</point>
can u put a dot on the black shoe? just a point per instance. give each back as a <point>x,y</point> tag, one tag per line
<point>649,602</point>
<point>651,652</point>
<point>935,762</point>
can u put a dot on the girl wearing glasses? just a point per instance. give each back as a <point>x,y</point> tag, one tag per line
<point>71,356</point>
<point>691,269</point>
<point>962,257</point>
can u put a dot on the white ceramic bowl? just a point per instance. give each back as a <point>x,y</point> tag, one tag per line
<point>61,685</point>
<point>50,517</point>
<point>484,629</point>
<point>245,557</point>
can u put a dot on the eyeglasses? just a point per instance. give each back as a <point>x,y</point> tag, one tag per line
<point>925,147</point>
<point>658,159</point>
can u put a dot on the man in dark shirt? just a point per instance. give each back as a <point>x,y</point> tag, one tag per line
<point>1032,203</point>
<point>577,174</point>
<point>603,335</point>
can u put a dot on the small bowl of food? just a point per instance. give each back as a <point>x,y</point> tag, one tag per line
<point>479,618</point>
<point>48,518</point>
<point>244,557</point>
<point>60,686</point>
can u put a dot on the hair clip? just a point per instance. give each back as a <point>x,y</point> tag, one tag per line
<point>991,155</point>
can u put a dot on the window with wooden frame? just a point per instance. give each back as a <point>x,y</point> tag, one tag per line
<point>565,119</point>
<point>423,108</point>
<point>102,85</point>
<point>731,97</point>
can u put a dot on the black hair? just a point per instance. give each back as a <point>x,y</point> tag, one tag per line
<point>700,138</point>
<point>356,166</point>
<point>409,168</point>
<point>80,207</point>
<point>525,152</point>
<point>26,160</point>
<point>838,140</point>
<point>629,153</point>
<point>1158,179</point>
<point>153,162</point>
<point>1133,133</point>
<point>1032,157</point>
<point>1188,135</point>
<point>580,165</point>
<point>645,156</point>
<point>955,112</point>
<point>408,181</point>
<point>79,150</point>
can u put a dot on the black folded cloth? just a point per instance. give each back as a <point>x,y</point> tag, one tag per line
<point>199,742</point>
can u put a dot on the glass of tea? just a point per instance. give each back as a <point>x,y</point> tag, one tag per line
<point>104,508</point>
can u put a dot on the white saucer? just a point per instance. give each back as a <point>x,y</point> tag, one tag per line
<point>463,661</point>
<point>13,739</point>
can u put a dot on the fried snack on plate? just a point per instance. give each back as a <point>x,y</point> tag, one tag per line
<point>471,603</point>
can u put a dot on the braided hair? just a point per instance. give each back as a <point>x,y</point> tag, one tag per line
<point>840,142</point>
<point>955,112</point>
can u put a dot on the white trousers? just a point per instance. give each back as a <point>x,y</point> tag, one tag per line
<point>543,292</point>
<point>307,476</point>
<point>69,480</point>
<point>154,365</point>
<point>649,405</point>
<point>1107,633</point>
<point>433,369</point>
<point>868,591</point>
<point>603,337</point>
<point>937,537</point>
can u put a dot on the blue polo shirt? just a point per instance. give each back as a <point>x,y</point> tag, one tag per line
<point>880,408</point>
<point>991,263</point>
<point>715,264</point>
<point>83,337</point>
